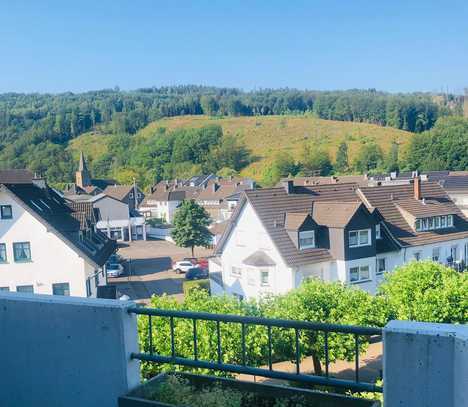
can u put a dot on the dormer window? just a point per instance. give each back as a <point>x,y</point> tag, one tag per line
<point>434,222</point>
<point>306,239</point>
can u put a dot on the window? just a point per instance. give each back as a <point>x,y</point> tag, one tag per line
<point>130,195</point>
<point>381,266</point>
<point>450,221</point>
<point>96,279</point>
<point>306,239</point>
<point>22,251</point>
<point>436,254</point>
<point>264,278</point>
<point>6,212</point>
<point>236,271</point>
<point>25,289</point>
<point>378,233</point>
<point>359,274</point>
<point>61,289</point>
<point>454,253</point>
<point>434,222</point>
<point>88,287</point>
<point>4,288</point>
<point>359,238</point>
<point>3,254</point>
<point>417,256</point>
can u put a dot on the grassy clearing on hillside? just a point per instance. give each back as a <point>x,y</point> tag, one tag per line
<point>93,145</point>
<point>266,135</point>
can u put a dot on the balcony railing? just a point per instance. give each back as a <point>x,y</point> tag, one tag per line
<point>244,367</point>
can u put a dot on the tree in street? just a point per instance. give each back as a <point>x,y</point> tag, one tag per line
<point>191,226</point>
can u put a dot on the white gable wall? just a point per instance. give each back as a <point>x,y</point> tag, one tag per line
<point>246,238</point>
<point>53,261</point>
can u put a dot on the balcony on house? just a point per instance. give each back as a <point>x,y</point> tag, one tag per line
<point>65,351</point>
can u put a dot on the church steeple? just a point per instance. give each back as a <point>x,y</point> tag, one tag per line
<point>82,176</point>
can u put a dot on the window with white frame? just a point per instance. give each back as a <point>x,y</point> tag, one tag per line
<point>359,273</point>
<point>22,252</point>
<point>264,278</point>
<point>381,265</point>
<point>378,232</point>
<point>306,239</point>
<point>236,272</point>
<point>433,223</point>
<point>417,256</point>
<point>358,238</point>
<point>436,254</point>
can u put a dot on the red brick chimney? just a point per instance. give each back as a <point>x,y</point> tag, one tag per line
<point>417,188</point>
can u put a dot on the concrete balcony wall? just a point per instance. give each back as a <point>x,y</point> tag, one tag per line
<point>425,365</point>
<point>65,351</point>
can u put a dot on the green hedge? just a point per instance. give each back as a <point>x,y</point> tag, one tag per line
<point>188,285</point>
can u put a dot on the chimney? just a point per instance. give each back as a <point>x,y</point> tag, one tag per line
<point>417,188</point>
<point>288,186</point>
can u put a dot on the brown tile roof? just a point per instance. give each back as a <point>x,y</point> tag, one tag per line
<point>271,204</point>
<point>118,191</point>
<point>293,221</point>
<point>15,176</point>
<point>84,212</point>
<point>340,179</point>
<point>334,214</point>
<point>386,198</point>
<point>426,208</point>
<point>220,190</point>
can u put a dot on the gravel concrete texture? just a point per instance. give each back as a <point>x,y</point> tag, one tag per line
<point>148,269</point>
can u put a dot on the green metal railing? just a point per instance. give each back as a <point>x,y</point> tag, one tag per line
<point>244,368</point>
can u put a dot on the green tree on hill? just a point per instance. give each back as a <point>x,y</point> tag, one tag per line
<point>392,162</point>
<point>369,158</point>
<point>342,164</point>
<point>209,105</point>
<point>315,161</point>
<point>191,226</point>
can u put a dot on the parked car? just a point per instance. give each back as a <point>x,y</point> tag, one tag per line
<point>203,263</point>
<point>115,258</point>
<point>114,269</point>
<point>196,273</point>
<point>182,266</point>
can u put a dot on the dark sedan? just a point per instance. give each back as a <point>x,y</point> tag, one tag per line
<point>196,273</point>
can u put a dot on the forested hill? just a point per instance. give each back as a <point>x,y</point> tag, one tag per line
<point>35,129</point>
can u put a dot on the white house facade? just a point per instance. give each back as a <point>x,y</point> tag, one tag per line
<point>278,237</point>
<point>44,249</point>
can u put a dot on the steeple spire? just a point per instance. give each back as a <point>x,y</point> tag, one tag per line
<point>82,176</point>
<point>82,166</point>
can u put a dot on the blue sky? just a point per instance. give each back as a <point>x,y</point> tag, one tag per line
<point>394,45</point>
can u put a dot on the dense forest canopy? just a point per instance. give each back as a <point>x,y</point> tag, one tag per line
<point>36,128</point>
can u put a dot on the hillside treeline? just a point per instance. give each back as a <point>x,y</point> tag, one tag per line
<point>36,128</point>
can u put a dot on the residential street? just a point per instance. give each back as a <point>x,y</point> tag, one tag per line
<point>148,269</point>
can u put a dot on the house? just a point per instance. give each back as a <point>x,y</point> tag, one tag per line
<point>217,195</point>
<point>131,195</point>
<point>339,232</point>
<point>46,245</point>
<point>220,196</point>
<point>164,199</point>
<point>456,187</point>
<point>115,218</point>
